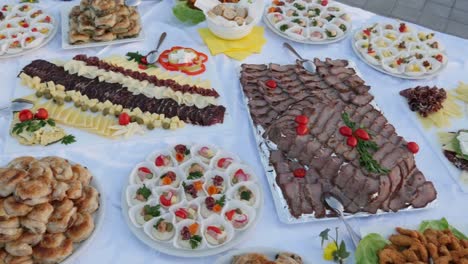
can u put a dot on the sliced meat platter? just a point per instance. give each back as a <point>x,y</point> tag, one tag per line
<point>315,158</point>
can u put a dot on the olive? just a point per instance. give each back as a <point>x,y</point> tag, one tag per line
<point>105,111</point>
<point>169,227</point>
<point>77,104</point>
<point>117,113</point>
<point>147,217</point>
<point>139,120</point>
<point>84,107</point>
<point>133,119</point>
<point>59,101</point>
<point>94,108</point>
<point>39,94</point>
<point>47,95</point>
<point>150,126</point>
<point>68,98</point>
<point>166,125</point>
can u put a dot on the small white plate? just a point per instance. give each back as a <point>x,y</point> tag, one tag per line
<point>269,252</point>
<point>65,28</point>
<point>402,76</point>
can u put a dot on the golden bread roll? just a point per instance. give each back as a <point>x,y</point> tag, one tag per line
<point>9,178</point>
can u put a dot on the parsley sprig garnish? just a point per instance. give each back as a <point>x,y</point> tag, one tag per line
<point>152,210</point>
<point>221,201</point>
<point>137,57</point>
<point>195,241</point>
<point>365,157</point>
<point>195,175</point>
<point>31,125</point>
<point>68,139</point>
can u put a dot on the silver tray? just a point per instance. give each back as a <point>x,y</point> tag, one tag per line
<point>282,209</point>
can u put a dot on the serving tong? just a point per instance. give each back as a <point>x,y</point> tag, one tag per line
<point>338,207</point>
<point>307,64</point>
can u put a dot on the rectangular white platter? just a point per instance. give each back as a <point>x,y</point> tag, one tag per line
<point>280,202</point>
<point>65,11</point>
<point>87,139</point>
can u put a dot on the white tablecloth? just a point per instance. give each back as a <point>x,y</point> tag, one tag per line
<point>112,163</point>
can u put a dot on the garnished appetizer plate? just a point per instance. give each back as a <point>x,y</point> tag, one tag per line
<point>308,21</point>
<point>121,100</point>
<point>192,200</point>
<point>24,28</point>
<point>399,50</point>
<point>75,194</point>
<point>310,145</point>
<point>73,39</point>
<point>259,253</point>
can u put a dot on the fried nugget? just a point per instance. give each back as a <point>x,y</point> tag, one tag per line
<point>402,240</point>
<point>391,256</point>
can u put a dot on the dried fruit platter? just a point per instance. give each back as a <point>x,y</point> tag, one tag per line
<point>309,21</point>
<point>155,101</point>
<point>297,120</point>
<point>399,50</point>
<point>24,28</point>
<point>192,200</point>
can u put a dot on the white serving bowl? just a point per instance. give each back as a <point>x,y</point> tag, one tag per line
<point>233,32</point>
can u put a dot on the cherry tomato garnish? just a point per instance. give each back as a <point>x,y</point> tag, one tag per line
<point>181,213</point>
<point>42,114</point>
<point>302,119</point>
<point>413,147</point>
<point>352,141</point>
<point>271,84</point>
<point>124,119</point>
<point>302,130</point>
<point>214,229</point>
<point>230,214</point>
<point>299,173</point>
<point>362,134</point>
<point>25,115</point>
<point>346,131</point>
<point>439,57</point>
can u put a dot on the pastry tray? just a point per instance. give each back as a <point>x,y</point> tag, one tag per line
<point>65,11</point>
<point>282,209</point>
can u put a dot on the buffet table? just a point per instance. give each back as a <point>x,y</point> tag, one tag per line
<point>111,163</point>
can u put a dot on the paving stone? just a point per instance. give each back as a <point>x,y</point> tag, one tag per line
<point>434,22</point>
<point>413,3</point>
<point>459,16</point>
<point>458,29</point>
<point>436,10</point>
<point>383,7</point>
<point>461,4</point>
<point>444,2</point>
<point>357,3</point>
<point>406,13</point>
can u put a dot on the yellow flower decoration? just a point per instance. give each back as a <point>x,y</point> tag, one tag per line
<point>329,250</point>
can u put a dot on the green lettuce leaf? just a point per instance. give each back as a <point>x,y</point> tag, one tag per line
<point>186,14</point>
<point>441,224</point>
<point>368,249</point>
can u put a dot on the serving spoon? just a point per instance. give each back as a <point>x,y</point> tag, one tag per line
<point>18,105</point>
<point>137,2</point>
<point>152,57</point>
<point>337,206</point>
<point>307,64</point>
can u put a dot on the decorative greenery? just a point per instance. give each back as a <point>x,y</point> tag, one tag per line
<point>144,191</point>
<point>152,210</point>
<point>341,253</point>
<point>365,157</point>
<point>139,58</point>
<point>221,201</point>
<point>195,241</point>
<point>68,139</point>
<point>186,14</point>
<point>195,175</point>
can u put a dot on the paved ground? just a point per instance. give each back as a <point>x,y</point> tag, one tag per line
<point>450,16</point>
